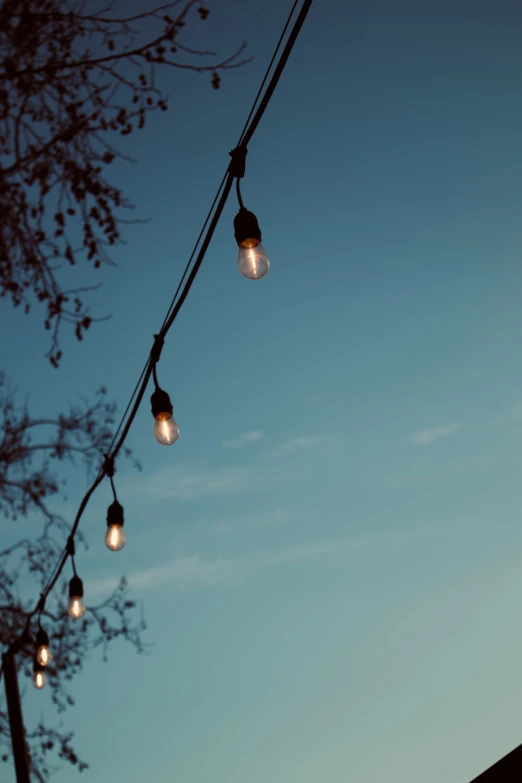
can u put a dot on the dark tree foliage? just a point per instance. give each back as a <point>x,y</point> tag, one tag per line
<point>72,80</point>
<point>33,453</point>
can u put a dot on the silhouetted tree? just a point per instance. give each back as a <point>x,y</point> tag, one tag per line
<point>71,80</point>
<point>33,452</point>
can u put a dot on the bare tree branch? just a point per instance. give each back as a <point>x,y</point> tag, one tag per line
<point>68,80</point>
<point>32,453</point>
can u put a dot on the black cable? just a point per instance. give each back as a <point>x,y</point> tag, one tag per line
<point>210,231</point>
<point>113,488</point>
<point>189,262</point>
<point>292,38</point>
<point>244,140</point>
<point>247,132</point>
<point>154,376</point>
<point>194,250</point>
<point>69,548</point>
<point>267,71</point>
<point>120,425</point>
<point>175,307</point>
<point>238,191</point>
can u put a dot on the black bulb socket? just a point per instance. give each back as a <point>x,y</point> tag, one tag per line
<point>246,229</point>
<point>38,667</point>
<point>76,587</point>
<point>115,515</point>
<point>160,403</point>
<point>42,639</point>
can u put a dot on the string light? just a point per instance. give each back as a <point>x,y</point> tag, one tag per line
<point>115,537</point>
<point>166,431</point>
<point>39,678</point>
<point>43,654</point>
<point>253,263</point>
<point>252,260</point>
<point>76,608</point>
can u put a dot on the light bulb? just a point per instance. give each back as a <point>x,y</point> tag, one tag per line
<point>43,654</point>
<point>166,431</point>
<point>253,261</point>
<point>76,608</point>
<point>115,538</point>
<point>39,679</point>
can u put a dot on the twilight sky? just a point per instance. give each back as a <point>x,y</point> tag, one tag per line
<point>329,559</point>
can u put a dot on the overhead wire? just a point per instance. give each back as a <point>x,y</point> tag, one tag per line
<point>120,425</point>
<point>254,104</point>
<point>198,240</point>
<point>244,140</point>
<point>181,293</point>
<point>196,245</point>
<point>267,72</point>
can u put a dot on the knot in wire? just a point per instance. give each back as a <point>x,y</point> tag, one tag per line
<point>109,470</point>
<point>238,163</point>
<point>40,606</point>
<point>108,466</point>
<point>71,549</point>
<point>157,348</point>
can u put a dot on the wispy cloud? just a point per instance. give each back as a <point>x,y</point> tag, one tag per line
<point>199,479</point>
<point>181,573</point>
<point>303,442</point>
<point>196,571</point>
<point>251,523</point>
<point>191,481</point>
<point>244,439</point>
<point>431,434</point>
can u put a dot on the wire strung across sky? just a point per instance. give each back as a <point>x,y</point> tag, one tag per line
<point>235,171</point>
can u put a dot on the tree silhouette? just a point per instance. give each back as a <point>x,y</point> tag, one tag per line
<point>33,452</point>
<point>70,82</point>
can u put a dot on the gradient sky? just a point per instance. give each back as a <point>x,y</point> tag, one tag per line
<point>330,557</point>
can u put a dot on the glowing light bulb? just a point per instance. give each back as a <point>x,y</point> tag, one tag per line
<point>43,654</point>
<point>115,537</point>
<point>39,679</point>
<point>76,608</point>
<point>253,261</point>
<point>166,431</point>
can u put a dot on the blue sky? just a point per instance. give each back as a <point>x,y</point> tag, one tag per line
<point>329,557</point>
